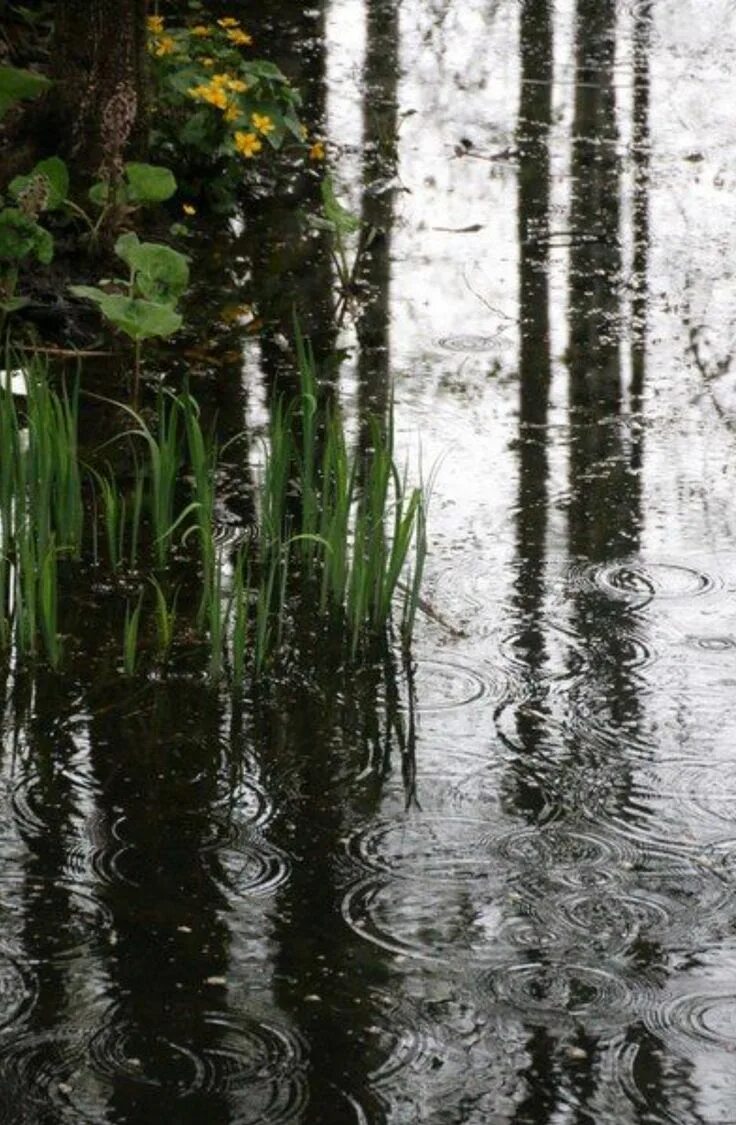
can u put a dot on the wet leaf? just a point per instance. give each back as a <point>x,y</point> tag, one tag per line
<point>149,183</point>
<point>20,235</point>
<point>56,176</point>
<point>15,85</point>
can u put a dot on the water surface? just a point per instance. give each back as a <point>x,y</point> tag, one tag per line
<point>500,885</point>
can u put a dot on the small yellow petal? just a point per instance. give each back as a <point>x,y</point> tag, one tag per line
<point>239,38</point>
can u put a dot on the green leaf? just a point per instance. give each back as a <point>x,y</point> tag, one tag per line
<point>15,85</point>
<point>261,68</point>
<point>182,80</point>
<point>44,246</point>
<point>90,292</point>
<point>12,304</point>
<point>136,318</point>
<point>57,173</point>
<point>162,274</point>
<point>293,124</point>
<point>99,193</point>
<point>196,130</point>
<point>56,179</point>
<point>140,319</point>
<point>20,235</point>
<point>149,183</point>
<point>345,222</point>
<point>126,246</point>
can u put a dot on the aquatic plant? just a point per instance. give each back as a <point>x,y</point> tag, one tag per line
<point>130,637</point>
<point>334,532</point>
<point>145,306</point>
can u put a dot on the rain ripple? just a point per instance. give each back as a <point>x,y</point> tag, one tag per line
<point>443,685</point>
<point>435,847</point>
<point>468,343</point>
<point>540,991</point>
<point>242,1057</point>
<point>18,991</point>
<point>572,857</point>
<point>705,1019</point>
<point>637,581</point>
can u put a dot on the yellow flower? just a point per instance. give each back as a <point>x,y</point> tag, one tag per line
<point>239,38</point>
<point>207,62</point>
<point>188,209</point>
<point>247,144</point>
<point>228,21</point>
<point>237,85</point>
<point>232,113</point>
<point>304,132</point>
<point>201,31</point>
<point>317,151</point>
<point>263,123</point>
<point>213,95</point>
<point>155,24</point>
<point>216,96</point>
<point>220,80</point>
<point>165,46</point>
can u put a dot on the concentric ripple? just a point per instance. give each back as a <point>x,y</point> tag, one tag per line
<point>80,919</point>
<point>573,857</point>
<point>467,342</point>
<point>713,644</point>
<point>248,1058</point>
<point>703,1018</point>
<point>434,847</point>
<point>18,991</point>
<point>611,920</point>
<point>446,686</point>
<point>41,1068</point>
<point>638,581</point>
<point>254,867</point>
<point>430,921</point>
<point>540,990</point>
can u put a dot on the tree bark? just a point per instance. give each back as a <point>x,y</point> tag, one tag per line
<point>99,101</point>
<point>96,113</point>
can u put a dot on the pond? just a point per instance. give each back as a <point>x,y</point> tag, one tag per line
<point>497,883</point>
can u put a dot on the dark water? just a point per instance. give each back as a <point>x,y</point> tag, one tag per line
<point>499,887</point>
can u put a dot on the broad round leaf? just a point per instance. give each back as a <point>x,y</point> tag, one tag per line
<point>140,319</point>
<point>126,246</point>
<point>149,183</point>
<point>162,274</point>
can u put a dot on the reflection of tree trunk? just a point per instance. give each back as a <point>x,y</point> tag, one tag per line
<point>595,261</point>
<point>641,150</point>
<point>604,507</point>
<point>380,159</point>
<point>292,270</point>
<point>156,777</point>
<point>325,978</point>
<point>535,118</point>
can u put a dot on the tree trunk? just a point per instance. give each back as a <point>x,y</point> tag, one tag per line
<point>99,99</point>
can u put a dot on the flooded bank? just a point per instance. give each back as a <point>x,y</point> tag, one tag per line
<point>497,883</point>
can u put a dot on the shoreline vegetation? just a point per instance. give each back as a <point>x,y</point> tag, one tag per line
<point>333,539</point>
